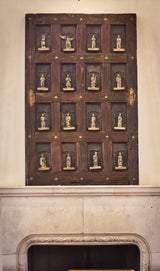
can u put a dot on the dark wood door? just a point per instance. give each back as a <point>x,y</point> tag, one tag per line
<point>81,99</point>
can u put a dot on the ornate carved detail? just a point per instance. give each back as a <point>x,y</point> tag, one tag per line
<point>31,98</point>
<point>81,239</point>
<point>132,96</point>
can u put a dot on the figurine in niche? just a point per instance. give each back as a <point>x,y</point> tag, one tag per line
<point>42,83</point>
<point>68,126</point>
<point>93,82</point>
<point>68,84</point>
<point>95,162</point>
<point>68,44</point>
<point>93,123</point>
<point>119,123</point>
<point>119,83</point>
<point>43,163</point>
<point>118,45</point>
<point>93,44</point>
<point>43,123</point>
<point>43,44</point>
<point>120,162</point>
<point>68,163</point>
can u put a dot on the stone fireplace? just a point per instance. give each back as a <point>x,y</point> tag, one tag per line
<point>80,216</point>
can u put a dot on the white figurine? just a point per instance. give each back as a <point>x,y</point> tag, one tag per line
<point>118,83</point>
<point>68,84</point>
<point>43,44</point>
<point>42,83</point>
<point>119,45</point>
<point>120,162</point>
<point>95,162</point>
<point>119,124</point>
<point>68,125</point>
<point>93,123</point>
<point>68,163</point>
<point>43,123</point>
<point>93,44</point>
<point>43,163</point>
<point>68,45</point>
<point>93,82</point>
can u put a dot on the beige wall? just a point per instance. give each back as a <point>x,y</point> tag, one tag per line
<point>12,42</point>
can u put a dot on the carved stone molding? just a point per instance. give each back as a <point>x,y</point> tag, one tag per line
<point>84,239</point>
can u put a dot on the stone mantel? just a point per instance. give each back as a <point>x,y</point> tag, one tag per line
<point>131,190</point>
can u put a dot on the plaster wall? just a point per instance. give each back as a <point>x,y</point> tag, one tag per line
<point>12,55</point>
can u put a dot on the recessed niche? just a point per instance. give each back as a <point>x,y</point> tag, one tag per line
<point>93,117</point>
<point>120,159</point>
<point>118,38</point>
<point>119,116</point>
<point>95,157</point>
<point>68,156</point>
<point>93,77</point>
<point>68,117</point>
<point>43,157</point>
<point>93,38</point>
<point>43,38</point>
<point>68,38</point>
<point>43,77</point>
<point>68,77</point>
<point>43,113</point>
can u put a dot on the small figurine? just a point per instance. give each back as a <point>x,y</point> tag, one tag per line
<point>42,83</point>
<point>119,123</point>
<point>68,45</point>
<point>120,162</point>
<point>93,44</point>
<point>93,123</point>
<point>43,123</point>
<point>118,45</point>
<point>68,163</point>
<point>68,84</point>
<point>95,162</point>
<point>43,44</point>
<point>68,125</point>
<point>42,163</point>
<point>93,82</point>
<point>119,83</point>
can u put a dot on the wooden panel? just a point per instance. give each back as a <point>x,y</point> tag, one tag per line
<point>81,99</point>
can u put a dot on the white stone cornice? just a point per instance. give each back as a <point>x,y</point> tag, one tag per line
<point>99,190</point>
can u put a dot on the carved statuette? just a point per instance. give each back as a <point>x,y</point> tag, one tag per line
<point>119,123</point>
<point>68,126</point>
<point>68,84</point>
<point>68,44</point>
<point>68,163</point>
<point>43,163</point>
<point>43,124</point>
<point>119,83</point>
<point>118,45</point>
<point>42,83</point>
<point>43,44</point>
<point>120,162</point>
<point>93,44</point>
<point>95,162</point>
<point>93,123</point>
<point>93,85</point>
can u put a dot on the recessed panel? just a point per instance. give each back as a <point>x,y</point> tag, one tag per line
<point>68,77</point>
<point>118,38</point>
<point>43,77</point>
<point>93,117</point>
<point>68,156</point>
<point>119,116</point>
<point>120,156</point>
<point>93,77</point>
<point>95,157</point>
<point>68,38</point>
<point>43,157</point>
<point>93,38</point>
<point>68,117</point>
<point>43,38</point>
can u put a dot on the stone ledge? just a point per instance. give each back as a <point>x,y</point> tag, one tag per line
<point>49,191</point>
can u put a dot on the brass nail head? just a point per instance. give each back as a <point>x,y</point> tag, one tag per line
<point>56,57</point>
<point>133,137</point>
<point>107,178</point>
<point>132,57</point>
<point>80,96</point>
<point>31,178</point>
<point>106,97</point>
<point>56,179</point>
<point>56,97</point>
<point>81,19</point>
<point>80,136</point>
<point>106,57</point>
<point>82,179</point>
<point>133,179</point>
<point>55,137</point>
<point>107,136</point>
<point>105,19</point>
<point>81,57</point>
